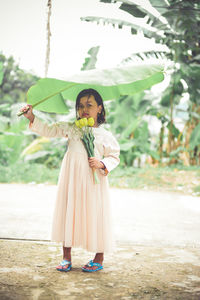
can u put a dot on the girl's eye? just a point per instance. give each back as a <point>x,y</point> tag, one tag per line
<point>88,105</point>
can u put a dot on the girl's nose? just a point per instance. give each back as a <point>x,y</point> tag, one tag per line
<point>85,109</point>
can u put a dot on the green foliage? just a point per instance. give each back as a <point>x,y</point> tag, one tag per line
<point>178,32</point>
<point>12,143</point>
<point>196,190</point>
<point>14,83</point>
<point>174,178</point>
<point>90,61</point>
<point>133,10</point>
<point>195,137</point>
<point>174,129</point>
<point>50,154</point>
<point>177,26</point>
<point>1,72</point>
<point>126,115</point>
<point>14,134</point>
<point>175,153</point>
<point>126,121</point>
<point>28,172</point>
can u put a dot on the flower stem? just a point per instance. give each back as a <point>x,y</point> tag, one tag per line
<point>95,177</point>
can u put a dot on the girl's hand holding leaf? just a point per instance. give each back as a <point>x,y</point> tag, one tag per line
<point>28,112</point>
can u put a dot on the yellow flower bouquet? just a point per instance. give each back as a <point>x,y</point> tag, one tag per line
<point>88,139</point>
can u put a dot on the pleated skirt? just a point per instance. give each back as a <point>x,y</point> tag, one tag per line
<point>82,215</point>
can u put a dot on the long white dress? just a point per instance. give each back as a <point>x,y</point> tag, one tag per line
<point>82,215</point>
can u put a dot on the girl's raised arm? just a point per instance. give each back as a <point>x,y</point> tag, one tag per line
<point>59,129</point>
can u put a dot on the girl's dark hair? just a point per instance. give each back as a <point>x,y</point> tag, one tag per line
<point>91,92</point>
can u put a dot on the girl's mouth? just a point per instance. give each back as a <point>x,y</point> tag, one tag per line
<point>85,115</point>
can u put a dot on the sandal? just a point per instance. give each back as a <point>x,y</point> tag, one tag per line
<point>62,266</point>
<point>92,264</point>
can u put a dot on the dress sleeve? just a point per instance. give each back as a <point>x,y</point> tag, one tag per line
<point>111,153</point>
<point>59,129</point>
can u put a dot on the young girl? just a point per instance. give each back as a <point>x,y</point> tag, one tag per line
<point>82,210</point>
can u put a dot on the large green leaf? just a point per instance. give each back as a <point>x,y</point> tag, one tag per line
<point>48,94</point>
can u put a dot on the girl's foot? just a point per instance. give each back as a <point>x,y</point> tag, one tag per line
<point>92,266</point>
<point>64,266</point>
<point>95,264</point>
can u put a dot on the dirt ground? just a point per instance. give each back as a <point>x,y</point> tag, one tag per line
<point>27,271</point>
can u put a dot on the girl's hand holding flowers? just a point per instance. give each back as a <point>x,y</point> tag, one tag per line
<point>95,163</point>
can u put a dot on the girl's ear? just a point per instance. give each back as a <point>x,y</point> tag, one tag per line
<point>99,108</point>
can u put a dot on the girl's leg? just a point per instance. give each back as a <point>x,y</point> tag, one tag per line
<point>98,258</point>
<point>66,256</point>
<point>67,253</point>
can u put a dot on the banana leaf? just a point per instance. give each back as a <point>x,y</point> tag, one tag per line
<point>49,94</point>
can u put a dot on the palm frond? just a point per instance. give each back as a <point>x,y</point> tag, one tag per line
<point>135,27</point>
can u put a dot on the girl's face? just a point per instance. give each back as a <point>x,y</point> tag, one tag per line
<point>88,108</point>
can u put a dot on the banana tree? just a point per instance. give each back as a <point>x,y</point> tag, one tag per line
<point>126,119</point>
<point>176,24</point>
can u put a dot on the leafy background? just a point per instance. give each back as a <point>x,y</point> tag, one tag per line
<point>157,129</point>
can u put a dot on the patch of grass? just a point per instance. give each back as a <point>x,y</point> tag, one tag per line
<point>25,173</point>
<point>196,190</point>
<point>173,178</point>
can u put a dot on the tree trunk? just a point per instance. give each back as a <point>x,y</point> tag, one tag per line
<point>161,138</point>
<point>48,39</point>
<point>170,134</point>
